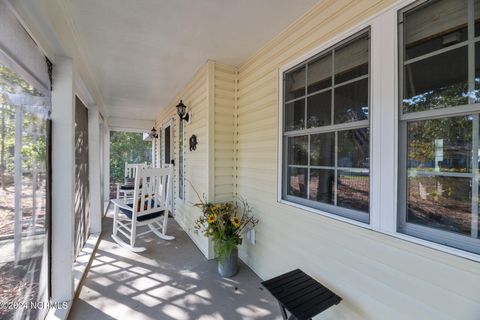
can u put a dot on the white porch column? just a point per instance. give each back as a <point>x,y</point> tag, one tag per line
<point>63,173</point>
<point>94,169</point>
<point>106,156</point>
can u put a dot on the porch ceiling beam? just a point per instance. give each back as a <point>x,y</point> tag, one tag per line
<point>133,125</point>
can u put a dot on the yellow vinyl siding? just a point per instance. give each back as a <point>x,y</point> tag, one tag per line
<point>379,277</point>
<point>224,92</point>
<point>210,97</point>
<point>235,111</point>
<point>194,96</point>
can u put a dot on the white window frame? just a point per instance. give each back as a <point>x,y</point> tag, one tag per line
<point>424,231</point>
<point>347,213</point>
<point>384,125</point>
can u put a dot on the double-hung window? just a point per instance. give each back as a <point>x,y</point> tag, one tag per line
<point>326,138</point>
<point>439,55</point>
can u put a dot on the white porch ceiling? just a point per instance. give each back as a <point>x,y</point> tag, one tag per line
<point>144,52</point>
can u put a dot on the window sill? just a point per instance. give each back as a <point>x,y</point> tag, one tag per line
<point>432,245</point>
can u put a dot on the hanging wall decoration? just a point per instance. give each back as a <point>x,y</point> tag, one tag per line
<point>193,142</point>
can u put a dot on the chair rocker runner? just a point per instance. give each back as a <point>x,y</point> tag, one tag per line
<point>150,207</point>
<point>126,189</point>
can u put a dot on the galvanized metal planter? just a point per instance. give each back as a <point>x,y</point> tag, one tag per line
<point>229,267</point>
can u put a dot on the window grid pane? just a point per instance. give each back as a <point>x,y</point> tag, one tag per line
<point>345,151</point>
<point>439,63</point>
<point>353,190</point>
<point>312,166</point>
<point>438,47</point>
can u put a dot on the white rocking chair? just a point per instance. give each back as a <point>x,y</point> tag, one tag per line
<point>150,207</point>
<point>126,189</point>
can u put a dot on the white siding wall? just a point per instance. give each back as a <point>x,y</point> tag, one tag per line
<point>378,276</point>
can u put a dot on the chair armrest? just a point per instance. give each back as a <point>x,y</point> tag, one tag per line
<point>122,204</point>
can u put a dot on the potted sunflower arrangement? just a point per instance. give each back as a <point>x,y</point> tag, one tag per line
<point>225,223</point>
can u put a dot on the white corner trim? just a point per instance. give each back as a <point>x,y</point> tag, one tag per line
<point>80,270</point>
<point>85,257</point>
<point>63,173</point>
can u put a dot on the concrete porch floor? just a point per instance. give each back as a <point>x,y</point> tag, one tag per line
<point>170,280</point>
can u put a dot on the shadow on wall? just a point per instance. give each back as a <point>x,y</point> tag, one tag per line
<point>82,188</point>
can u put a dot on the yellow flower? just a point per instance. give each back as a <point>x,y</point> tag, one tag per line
<point>235,222</point>
<point>211,218</point>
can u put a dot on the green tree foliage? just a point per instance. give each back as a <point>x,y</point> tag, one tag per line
<point>127,147</point>
<point>12,83</point>
<point>447,96</point>
<point>455,134</point>
<point>34,135</point>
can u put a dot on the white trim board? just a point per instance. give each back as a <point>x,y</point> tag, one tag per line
<point>81,266</point>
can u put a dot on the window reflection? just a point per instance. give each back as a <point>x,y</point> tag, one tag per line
<point>351,60</point>
<point>353,148</point>
<point>353,190</point>
<point>440,24</point>
<point>351,102</point>
<point>295,84</point>
<point>436,82</point>
<point>298,150</point>
<point>322,149</point>
<point>24,112</point>
<point>320,73</point>
<point>319,110</point>
<point>295,115</point>
<point>322,185</point>
<point>476,95</point>
<point>440,202</point>
<point>477,17</point>
<point>443,145</point>
<point>297,182</point>
<point>440,145</point>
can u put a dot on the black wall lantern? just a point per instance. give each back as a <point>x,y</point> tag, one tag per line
<point>182,111</point>
<point>153,133</point>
